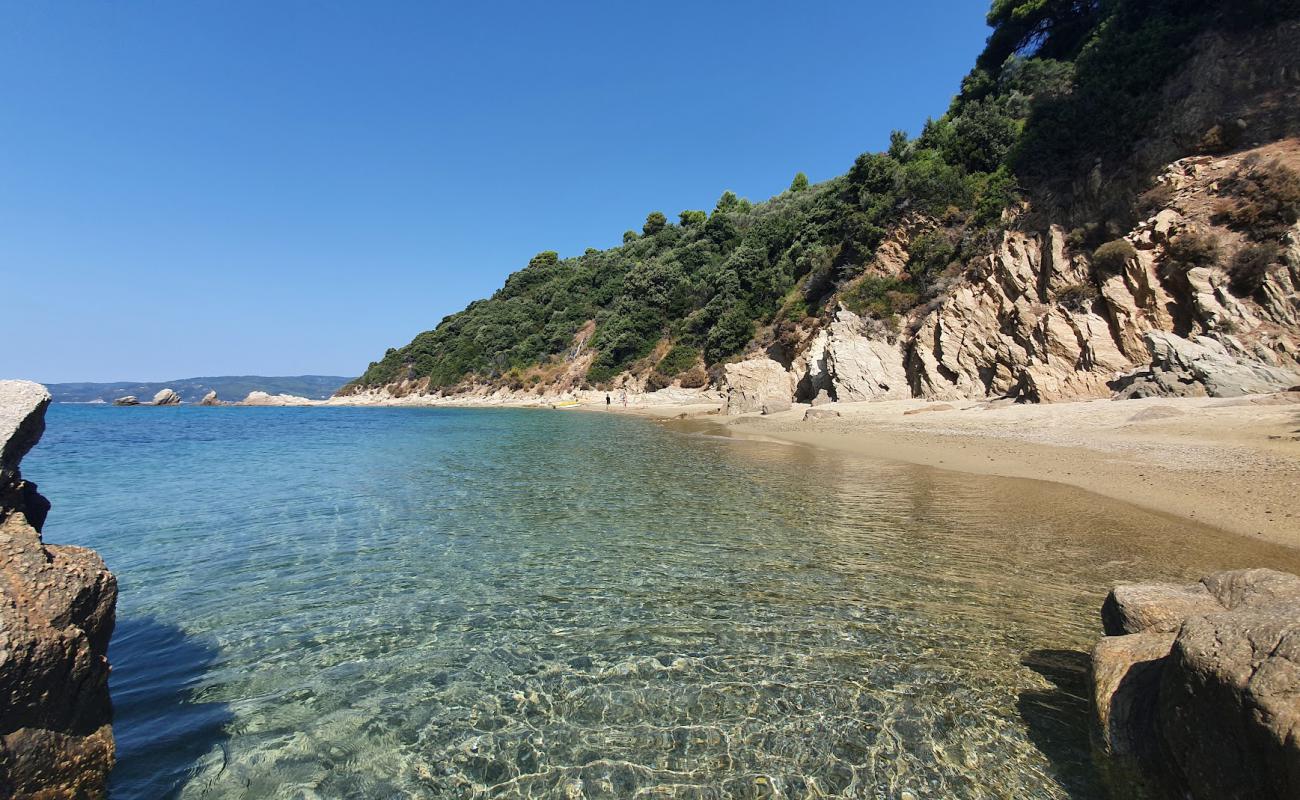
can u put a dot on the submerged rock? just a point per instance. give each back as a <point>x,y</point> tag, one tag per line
<point>166,397</point>
<point>1197,688</point>
<point>56,616</point>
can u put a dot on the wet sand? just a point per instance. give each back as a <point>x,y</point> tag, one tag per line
<point>1229,464</point>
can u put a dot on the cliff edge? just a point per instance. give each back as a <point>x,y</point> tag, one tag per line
<point>56,617</point>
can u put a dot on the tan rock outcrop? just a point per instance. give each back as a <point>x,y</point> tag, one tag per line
<point>56,617</point>
<point>210,399</point>
<point>166,397</point>
<point>997,335</point>
<point>1197,688</point>
<point>758,382</point>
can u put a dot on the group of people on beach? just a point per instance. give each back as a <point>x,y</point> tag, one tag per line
<point>608,402</point>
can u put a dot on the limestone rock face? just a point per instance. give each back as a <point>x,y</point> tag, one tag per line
<point>1197,690</point>
<point>758,382</point>
<point>1001,335</point>
<point>1182,367</point>
<point>56,616</point>
<point>210,399</point>
<point>1034,320</point>
<point>859,366</point>
<point>128,400</point>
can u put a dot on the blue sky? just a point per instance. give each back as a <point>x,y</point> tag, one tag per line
<point>277,188</point>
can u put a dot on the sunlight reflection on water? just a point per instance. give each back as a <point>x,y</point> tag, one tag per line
<point>452,603</point>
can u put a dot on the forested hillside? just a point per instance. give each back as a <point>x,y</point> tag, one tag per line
<point>1056,120</point>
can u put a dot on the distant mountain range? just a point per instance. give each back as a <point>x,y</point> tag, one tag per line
<point>192,390</point>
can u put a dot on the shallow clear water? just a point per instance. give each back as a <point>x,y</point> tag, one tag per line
<point>383,603</point>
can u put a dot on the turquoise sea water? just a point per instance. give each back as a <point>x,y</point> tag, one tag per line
<point>392,603</point>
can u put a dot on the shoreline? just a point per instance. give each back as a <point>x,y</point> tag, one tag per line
<point>1233,465</point>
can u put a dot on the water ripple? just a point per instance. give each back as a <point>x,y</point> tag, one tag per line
<point>384,603</point>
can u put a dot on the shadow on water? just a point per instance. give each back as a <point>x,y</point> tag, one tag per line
<point>1060,719</point>
<point>158,720</point>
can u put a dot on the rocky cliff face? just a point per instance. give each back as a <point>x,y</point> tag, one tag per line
<point>1037,320</point>
<point>56,616</point>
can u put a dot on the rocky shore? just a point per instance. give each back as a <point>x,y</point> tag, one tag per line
<point>57,606</point>
<point>1197,687</point>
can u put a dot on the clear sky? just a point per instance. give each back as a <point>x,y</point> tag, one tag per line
<point>289,187</point>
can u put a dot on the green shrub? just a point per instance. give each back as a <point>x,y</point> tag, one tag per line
<point>655,221</point>
<point>799,183</point>
<point>1192,249</point>
<point>1251,265</point>
<point>879,297</point>
<point>1264,199</point>
<point>730,334</point>
<point>655,381</point>
<point>1112,257</point>
<point>679,359</point>
<point>690,219</point>
<point>695,378</point>
<point>928,256</point>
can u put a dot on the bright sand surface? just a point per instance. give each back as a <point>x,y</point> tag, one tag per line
<point>1232,464</point>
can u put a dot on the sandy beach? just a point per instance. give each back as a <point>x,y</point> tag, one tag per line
<point>1232,464</point>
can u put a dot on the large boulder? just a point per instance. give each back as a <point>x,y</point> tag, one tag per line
<point>56,616</point>
<point>1197,689</point>
<point>210,399</point>
<point>166,397</point>
<point>757,383</point>
<point>128,400</point>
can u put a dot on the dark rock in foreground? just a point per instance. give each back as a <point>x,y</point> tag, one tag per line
<point>56,617</point>
<point>1197,688</point>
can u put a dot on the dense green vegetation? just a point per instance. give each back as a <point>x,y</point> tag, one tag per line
<point>1062,85</point>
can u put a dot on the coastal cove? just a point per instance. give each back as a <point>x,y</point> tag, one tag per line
<point>434,602</point>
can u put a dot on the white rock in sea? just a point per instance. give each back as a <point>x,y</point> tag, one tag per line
<point>264,399</point>
<point>210,399</point>
<point>166,397</point>
<point>128,400</point>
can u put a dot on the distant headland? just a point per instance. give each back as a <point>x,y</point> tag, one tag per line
<point>193,390</point>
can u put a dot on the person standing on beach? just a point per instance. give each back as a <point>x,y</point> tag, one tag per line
<point>606,399</point>
<point>625,398</point>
